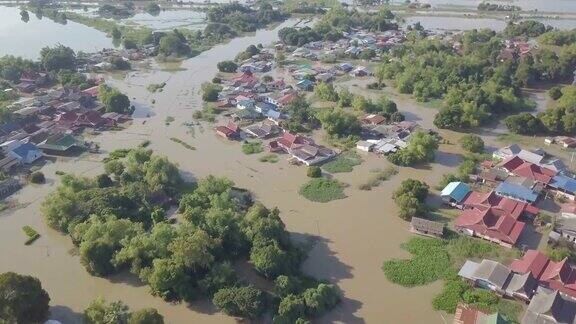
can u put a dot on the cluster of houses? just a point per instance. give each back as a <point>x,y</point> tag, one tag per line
<point>350,46</point>
<point>47,121</point>
<point>383,137</point>
<point>101,60</point>
<point>514,185</point>
<point>548,286</point>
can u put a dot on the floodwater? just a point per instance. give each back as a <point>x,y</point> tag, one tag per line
<point>446,23</point>
<point>440,23</point>
<point>352,237</point>
<point>560,6</point>
<point>170,19</point>
<point>26,39</point>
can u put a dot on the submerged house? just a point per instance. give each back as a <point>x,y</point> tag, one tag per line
<point>59,143</point>
<point>303,149</point>
<point>229,131</point>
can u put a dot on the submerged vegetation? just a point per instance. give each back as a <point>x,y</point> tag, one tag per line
<point>323,190</point>
<point>345,162</point>
<point>31,234</point>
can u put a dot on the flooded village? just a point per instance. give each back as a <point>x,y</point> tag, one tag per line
<point>492,237</point>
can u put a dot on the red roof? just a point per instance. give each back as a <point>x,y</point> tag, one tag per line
<point>491,199</point>
<point>288,140</point>
<point>556,275</point>
<point>533,171</point>
<point>225,131</point>
<point>491,222</point>
<point>287,98</point>
<point>568,208</point>
<point>512,163</point>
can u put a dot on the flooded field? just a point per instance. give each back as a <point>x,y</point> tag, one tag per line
<point>560,6</point>
<point>170,19</point>
<point>26,39</point>
<point>445,23</point>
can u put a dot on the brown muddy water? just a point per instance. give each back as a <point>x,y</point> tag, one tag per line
<point>352,237</point>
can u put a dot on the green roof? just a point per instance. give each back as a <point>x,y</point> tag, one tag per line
<point>60,142</point>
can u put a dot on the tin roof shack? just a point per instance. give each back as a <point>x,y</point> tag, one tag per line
<point>563,186</point>
<point>550,307</point>
<point>426,227</point>
<point>455,193</point>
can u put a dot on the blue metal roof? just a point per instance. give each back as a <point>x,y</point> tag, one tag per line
<point>516,192</point>
<point>456,190</point>
<point>24,149</point>
<point>563,182</point>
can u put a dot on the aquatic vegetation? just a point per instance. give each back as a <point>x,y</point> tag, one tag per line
<point>345,162</point>
<point>156,87</point>
<point>322,190</point>
<point>181,142</point>
<point>270,158</point>
<point>31,233</point>
<point>429,263</point>
<point>378,177</point>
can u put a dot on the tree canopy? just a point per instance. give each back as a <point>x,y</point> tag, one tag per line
<point>22,299</point>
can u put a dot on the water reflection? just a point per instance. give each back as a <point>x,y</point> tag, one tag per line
<point>26,38</point>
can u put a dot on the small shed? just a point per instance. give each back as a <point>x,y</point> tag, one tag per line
<point>426,227</point>
<point>455,193</point>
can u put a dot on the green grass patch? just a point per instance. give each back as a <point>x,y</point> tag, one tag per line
<point>181,142</point>
<point>323,190</point>
<point>252,147</point>
<point>156,87</point>
<point>345,162</point>
<point>31,233</point>
<point>117,154</point>
<point>269,158</point>
<point>378,176</point>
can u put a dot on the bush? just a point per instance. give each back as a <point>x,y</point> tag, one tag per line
<point>472,143</point>
<point>555,92</point>
<point>314,172</point>
<point>37,177</point>
<point>23,299</point>
<point>270,158</point>
<point>322,190</point>
<point>378,177</point>
<point>252,148</point>
<point>227,66</point>
<point>210,92</point>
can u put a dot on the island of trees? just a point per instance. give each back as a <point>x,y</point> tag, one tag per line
<point>119,222</point>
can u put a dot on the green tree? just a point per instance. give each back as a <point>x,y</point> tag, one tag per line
<point>240,301</point>
<point>410,197</point>
<point>555,92</point>
<point>174,44</point>
<point>421,148</point>
<point>58,58</point>
<point>291,308</point>
<point>22,299</point>
<point>339,123</point>
<point>524,123</point>
<point>472,143</point>
<point>99,312</point>
<point>326,91</point>
<point>113,100</point>
<point>321,299</point>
